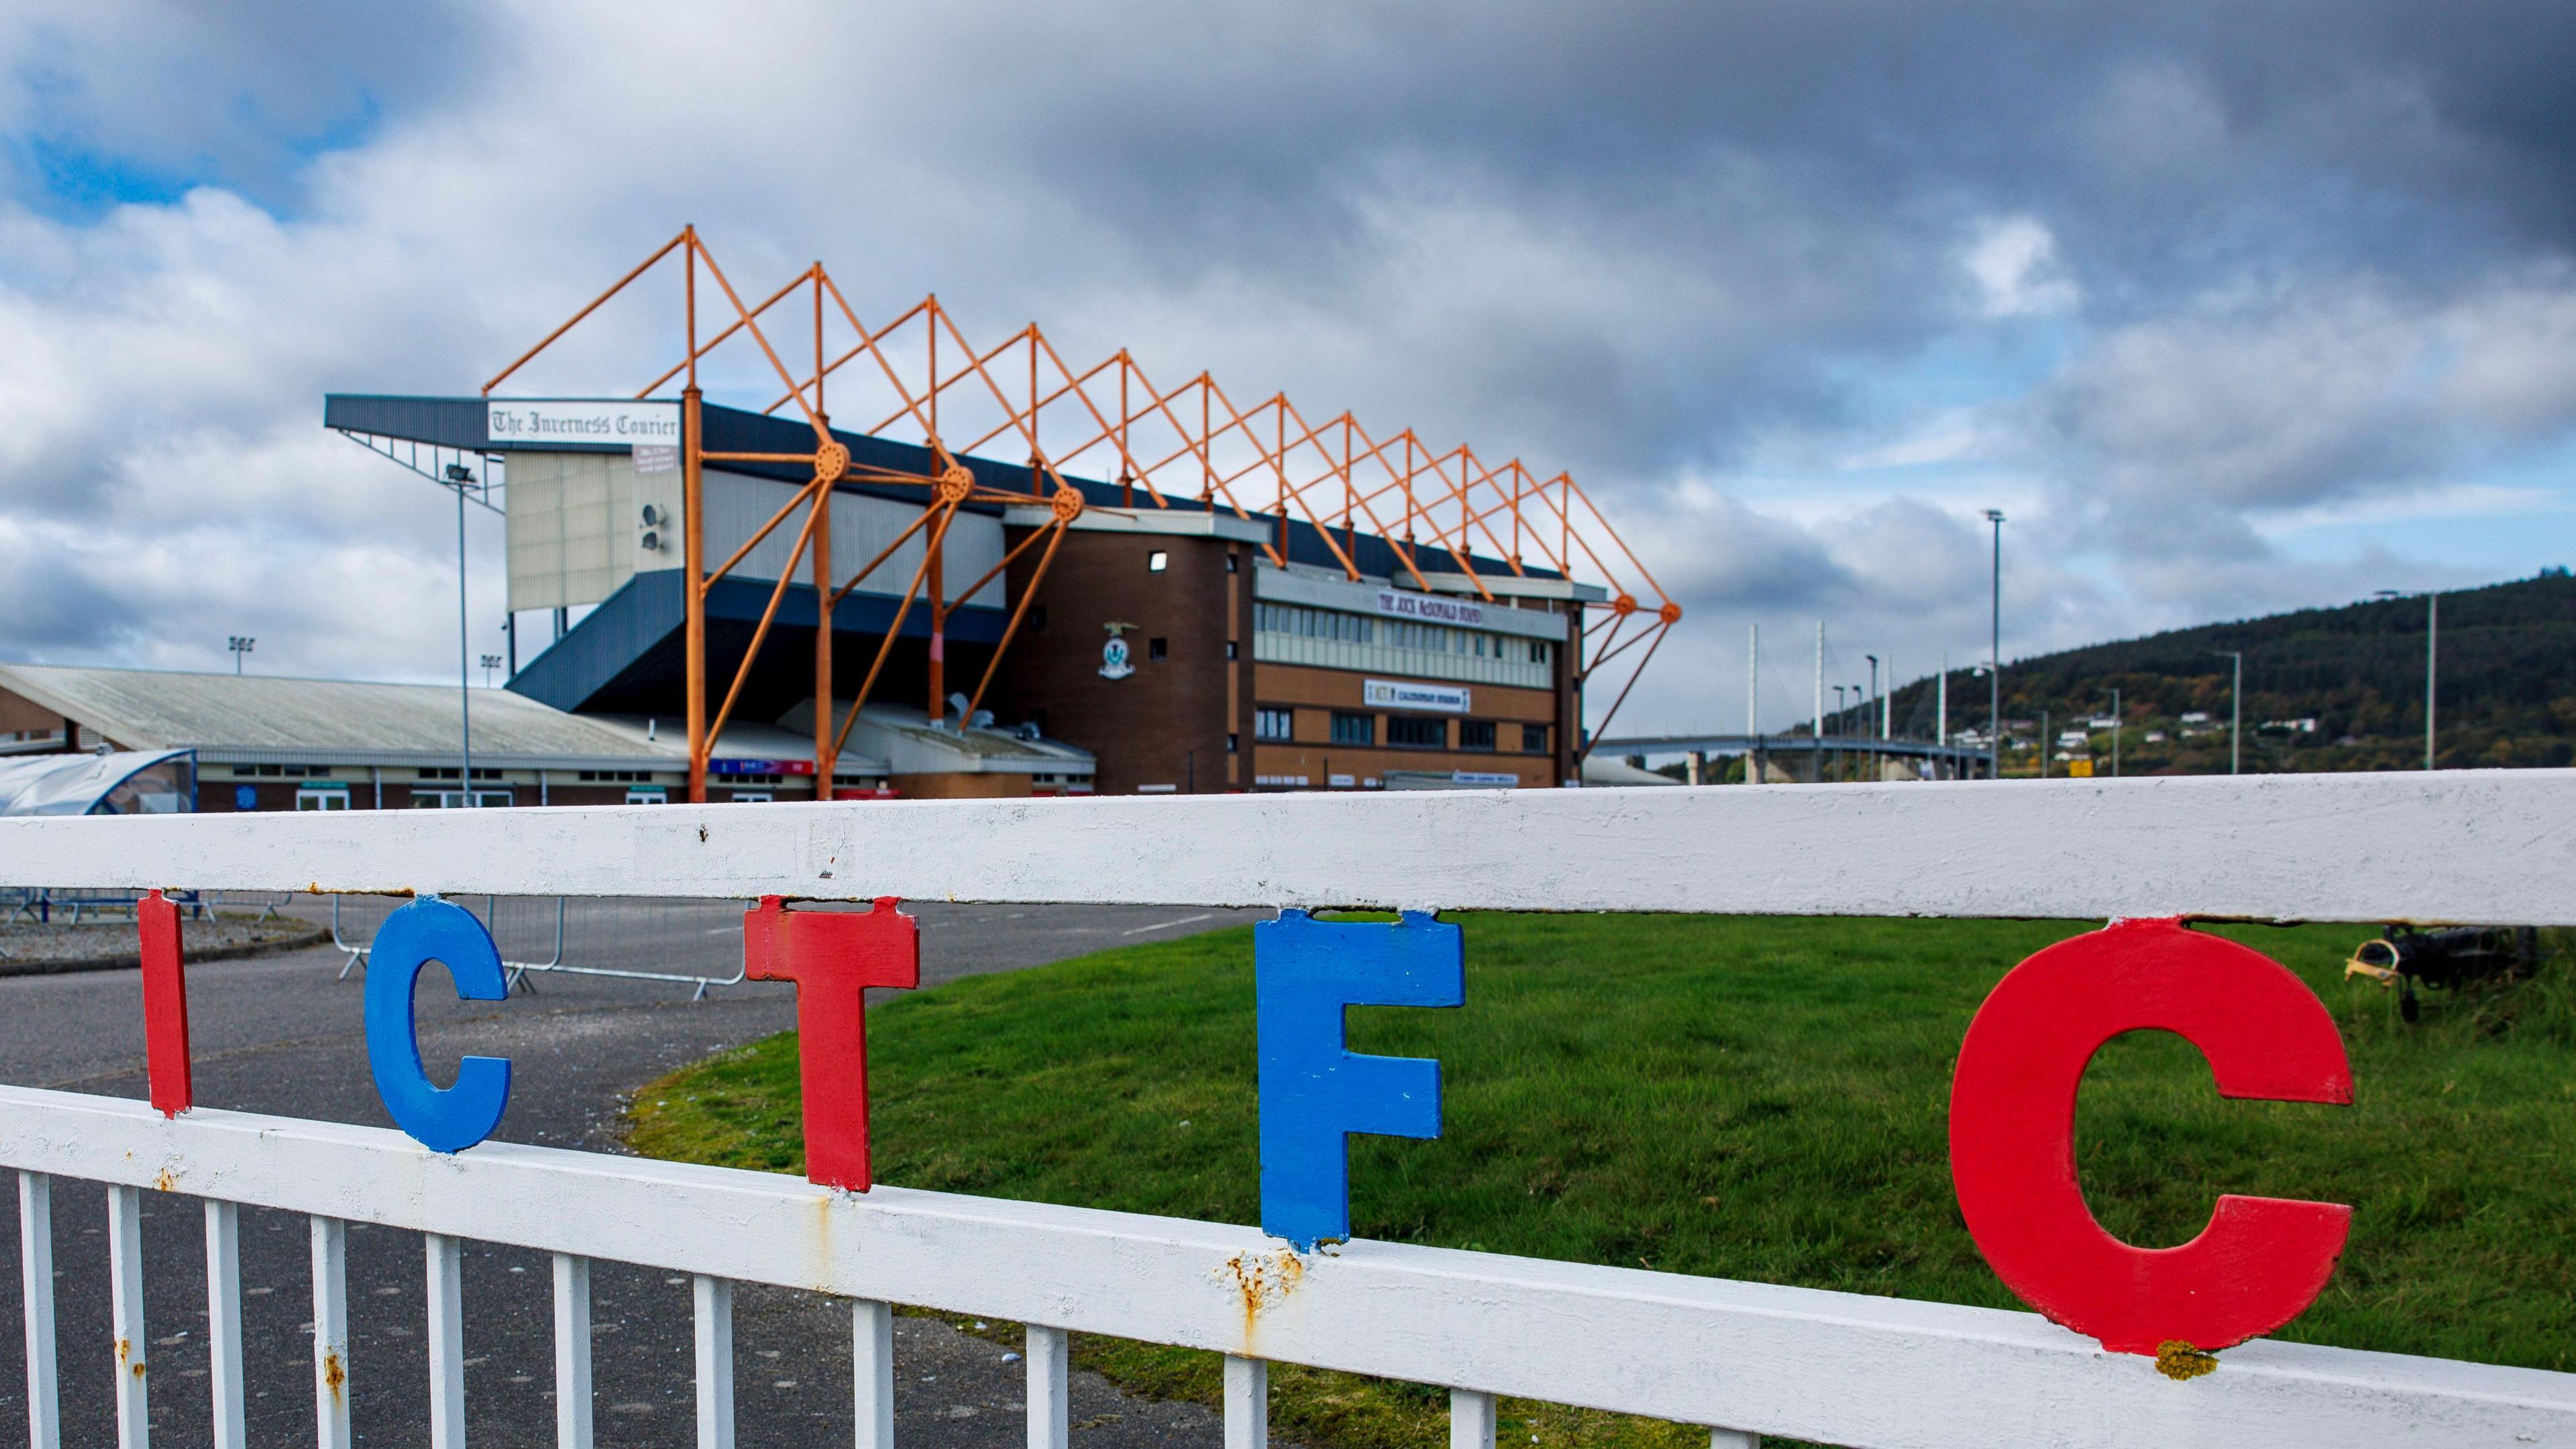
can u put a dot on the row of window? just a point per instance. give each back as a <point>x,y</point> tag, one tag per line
<point>1410,731</point>
<point>1308,623</point>
<point>322,772</point>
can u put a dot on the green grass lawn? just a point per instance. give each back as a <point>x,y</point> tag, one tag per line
<point>1755,1099</point>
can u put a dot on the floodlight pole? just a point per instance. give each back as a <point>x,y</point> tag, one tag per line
<point>2432,656</point>
<point>1818,738</point>
<point>1995,660</point>
<point>464,680</point>
<point>2235,711</point>
<point>2115,734</point>
<point>1753,704</point>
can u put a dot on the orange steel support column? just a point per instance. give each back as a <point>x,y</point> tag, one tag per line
<point>824,758</point>
<point>938,597</point>
<point>693,589</point>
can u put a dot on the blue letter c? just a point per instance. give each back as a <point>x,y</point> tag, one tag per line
<point>429,929</point>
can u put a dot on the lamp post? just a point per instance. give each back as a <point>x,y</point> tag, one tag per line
<point>2432,657</point>
<point>490,663</point>
<point>1859,702</point>
<point>460,479</point>
<point>240,644</point>
<point>1995,658</point>
<point>1838,724</point>
<point>2235,711</point>
<point>2115,734</point>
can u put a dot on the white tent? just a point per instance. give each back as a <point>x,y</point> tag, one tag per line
<point>125,782</point>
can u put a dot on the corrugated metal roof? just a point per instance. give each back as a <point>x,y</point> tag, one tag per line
<point>157,709</point>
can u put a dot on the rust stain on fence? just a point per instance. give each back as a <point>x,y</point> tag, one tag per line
<point>334,1374</point>
<point>162,1181</point>
<point>1261,1280</point>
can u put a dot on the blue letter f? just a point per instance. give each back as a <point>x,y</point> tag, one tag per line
<point>1314,1092</point>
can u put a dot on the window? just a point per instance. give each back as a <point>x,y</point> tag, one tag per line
<point>1274,724</point>
<point>1229,649</point>
<point>1315,623</point>
<point>1416,731</point>
<point>1232,741</point>
<point>455,799</point>
<point>1354,729</point>
<point>323,796</point>
<point>1158,648</point>
<point>1475,734</point>
<point>1233,561</point>
<point>1157,561</point>
<point>1533,739</point>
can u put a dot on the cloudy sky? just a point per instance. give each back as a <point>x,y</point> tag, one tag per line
<point>2230,308</point>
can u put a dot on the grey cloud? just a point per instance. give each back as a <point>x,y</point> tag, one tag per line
<point>2320,249</point>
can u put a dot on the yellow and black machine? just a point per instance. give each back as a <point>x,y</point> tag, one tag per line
<point>2404,958</point>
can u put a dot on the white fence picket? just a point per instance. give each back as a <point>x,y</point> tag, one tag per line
<point>1247,1403</point>
<point>331,1332</point>
<point>713,1298</point>
<point>1471,1419</point>
<point>446,1333</point>
<point>36,1297</point>
<point>1837,1368</point>
<point>872,1373</point>
<point>572,1351</point>
<point>223,1324</point>
<point>1049,1352</point>
<point>125,1315</point>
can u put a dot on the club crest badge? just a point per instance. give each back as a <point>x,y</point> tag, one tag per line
<point>1115,656</point>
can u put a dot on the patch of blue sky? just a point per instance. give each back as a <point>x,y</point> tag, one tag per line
<point>64,173</point>
<point>1967,366</point>
<point>68,181</point>
<point>2505,520</point>
<point>1914,425</point>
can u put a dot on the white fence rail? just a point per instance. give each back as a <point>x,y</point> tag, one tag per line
<point>1744,1359</point>
<point>2471,845</point>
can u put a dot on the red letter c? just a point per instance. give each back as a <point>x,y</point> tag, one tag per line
<point>2261,1261</point>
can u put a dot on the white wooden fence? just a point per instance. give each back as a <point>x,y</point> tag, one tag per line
<point>1745,1359</point>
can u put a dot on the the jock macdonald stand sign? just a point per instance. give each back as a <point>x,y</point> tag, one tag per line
<point>2258,1264</point>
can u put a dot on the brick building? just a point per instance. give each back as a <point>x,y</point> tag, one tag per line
<point>1171,646</point>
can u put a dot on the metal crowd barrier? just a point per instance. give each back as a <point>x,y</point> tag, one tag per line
<point>519,971</point>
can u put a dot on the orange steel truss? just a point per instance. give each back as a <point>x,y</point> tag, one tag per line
<point>1269,461</point>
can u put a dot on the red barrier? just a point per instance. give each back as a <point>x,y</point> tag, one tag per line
<point>2261,1261</point>
<point>833,957</point>
<point>165,1005</point>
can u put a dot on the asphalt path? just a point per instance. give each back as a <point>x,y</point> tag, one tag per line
<point>283,1034</point>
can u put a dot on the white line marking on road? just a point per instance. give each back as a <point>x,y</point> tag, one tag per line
<point>1167,925</point>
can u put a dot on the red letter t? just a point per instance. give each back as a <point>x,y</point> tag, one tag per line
<point>833,957</point>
